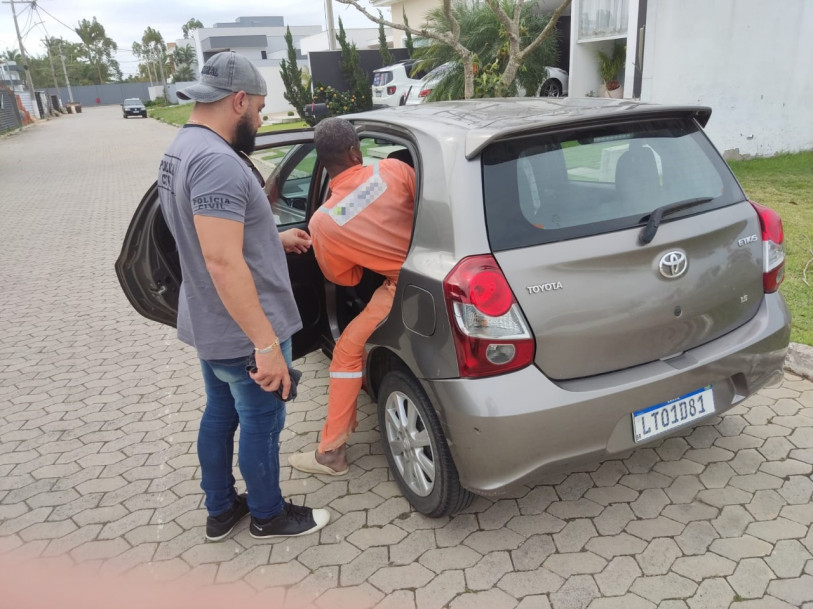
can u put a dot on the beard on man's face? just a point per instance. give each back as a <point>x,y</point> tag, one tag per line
<point>245,135</point>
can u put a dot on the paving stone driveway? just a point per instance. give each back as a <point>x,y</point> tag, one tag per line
<point>99,410</point>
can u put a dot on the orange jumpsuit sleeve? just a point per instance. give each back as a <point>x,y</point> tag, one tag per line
<point>335,267</point>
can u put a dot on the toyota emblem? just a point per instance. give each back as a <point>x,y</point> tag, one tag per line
<point>673,264</point>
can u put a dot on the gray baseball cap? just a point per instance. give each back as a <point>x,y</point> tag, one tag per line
<point>223,74</point>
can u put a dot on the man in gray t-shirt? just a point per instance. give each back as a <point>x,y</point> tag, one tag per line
<point>235,304</point>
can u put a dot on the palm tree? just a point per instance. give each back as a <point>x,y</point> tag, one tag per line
<point>153,42</point>
<point>184,73</point>
<point>11,55</point>
<point>184,55</point>
<point>98,45</point>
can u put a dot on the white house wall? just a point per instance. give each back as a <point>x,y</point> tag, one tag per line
<point>274,101</point>
<point>749,60</point>
<point>415,10</point>
<point>275,41</point>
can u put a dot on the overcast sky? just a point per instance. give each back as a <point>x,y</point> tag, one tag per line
<point>125,21</point>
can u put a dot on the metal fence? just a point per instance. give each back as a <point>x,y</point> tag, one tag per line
<point>10,117</point>
<point>103,95</point>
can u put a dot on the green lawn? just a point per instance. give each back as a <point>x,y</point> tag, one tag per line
<point>178,115</point>
<point>174,115</point>
<point>785,183</point>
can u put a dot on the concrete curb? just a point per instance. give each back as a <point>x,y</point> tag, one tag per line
<point>800,360</point>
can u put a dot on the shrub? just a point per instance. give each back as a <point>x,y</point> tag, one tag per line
<point>158,102</point>
<point>337,102</point>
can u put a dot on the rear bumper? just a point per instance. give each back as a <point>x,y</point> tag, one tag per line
<point>509,430</point>
<point>387,101</point>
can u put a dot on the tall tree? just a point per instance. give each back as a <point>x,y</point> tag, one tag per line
<point>153,43</point>
<point>190,26</point>
<point>141,54</point>
<point>99,48</point>
<point>357,80</point>
<point>410,46</point>
<point>297,86</point>
<point>510,14</point>
<point>74,54</point>
<point>383,48</point>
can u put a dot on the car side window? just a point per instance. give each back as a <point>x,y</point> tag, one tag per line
<point>289,184</point>
<point>375,149</point>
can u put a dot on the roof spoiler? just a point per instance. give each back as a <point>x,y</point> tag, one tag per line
<point>477,140</point>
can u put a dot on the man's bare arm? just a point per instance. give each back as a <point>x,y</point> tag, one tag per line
<point>221,242</point>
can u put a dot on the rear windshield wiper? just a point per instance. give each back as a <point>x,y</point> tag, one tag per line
<point>648,234</point>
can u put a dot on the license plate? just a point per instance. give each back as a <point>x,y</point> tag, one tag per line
<point>667,416</point>
<point>378,93</point>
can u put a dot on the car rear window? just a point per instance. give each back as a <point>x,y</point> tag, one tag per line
<point>544,188</point>
<point>381,78</point>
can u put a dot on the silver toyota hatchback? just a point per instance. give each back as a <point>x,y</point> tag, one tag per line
<point>585,277</point>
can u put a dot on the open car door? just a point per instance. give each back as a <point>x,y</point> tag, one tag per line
<point>149,270</point>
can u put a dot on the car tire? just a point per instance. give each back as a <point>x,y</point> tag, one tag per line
<point>551,88</point>
<point>125,116</point>
<point>425,472</point>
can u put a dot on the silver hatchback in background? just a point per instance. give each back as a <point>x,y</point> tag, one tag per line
<point>585,277</point>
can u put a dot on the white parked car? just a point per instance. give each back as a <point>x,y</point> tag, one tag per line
<point>418,93</point>
<point>391,83</point>
<point>556,85</point>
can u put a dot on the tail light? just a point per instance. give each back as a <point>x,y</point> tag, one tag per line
<point>391,90</point>
<point>773,247</point>
<point>424,92</point>
<point>490,334</point>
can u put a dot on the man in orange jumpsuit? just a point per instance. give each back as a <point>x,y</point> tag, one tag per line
<point>365,223</point>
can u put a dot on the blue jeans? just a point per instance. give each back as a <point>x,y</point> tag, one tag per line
<point>232,397</point>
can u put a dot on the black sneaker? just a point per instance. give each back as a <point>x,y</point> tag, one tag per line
<point>218,527</point>
<point>292,521</point>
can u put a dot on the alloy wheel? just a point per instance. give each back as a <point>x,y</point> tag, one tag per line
<point>410,444</point>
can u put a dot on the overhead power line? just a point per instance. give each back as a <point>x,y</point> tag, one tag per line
<point>56,19</point>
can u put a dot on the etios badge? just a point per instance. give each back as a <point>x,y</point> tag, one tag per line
<point>673,264</point>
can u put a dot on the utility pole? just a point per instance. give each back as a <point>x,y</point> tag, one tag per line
<point>29,81</point>
<point>331,33</point>
<point>65,72</point>
<point>47,42</point>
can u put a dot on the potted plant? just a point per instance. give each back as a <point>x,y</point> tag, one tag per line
<point>608,68</point>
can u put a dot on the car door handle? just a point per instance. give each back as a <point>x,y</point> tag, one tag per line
<point>159,289</point>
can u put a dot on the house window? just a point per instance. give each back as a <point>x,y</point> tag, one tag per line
<point>263,55</point>
<point>603,19</point>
